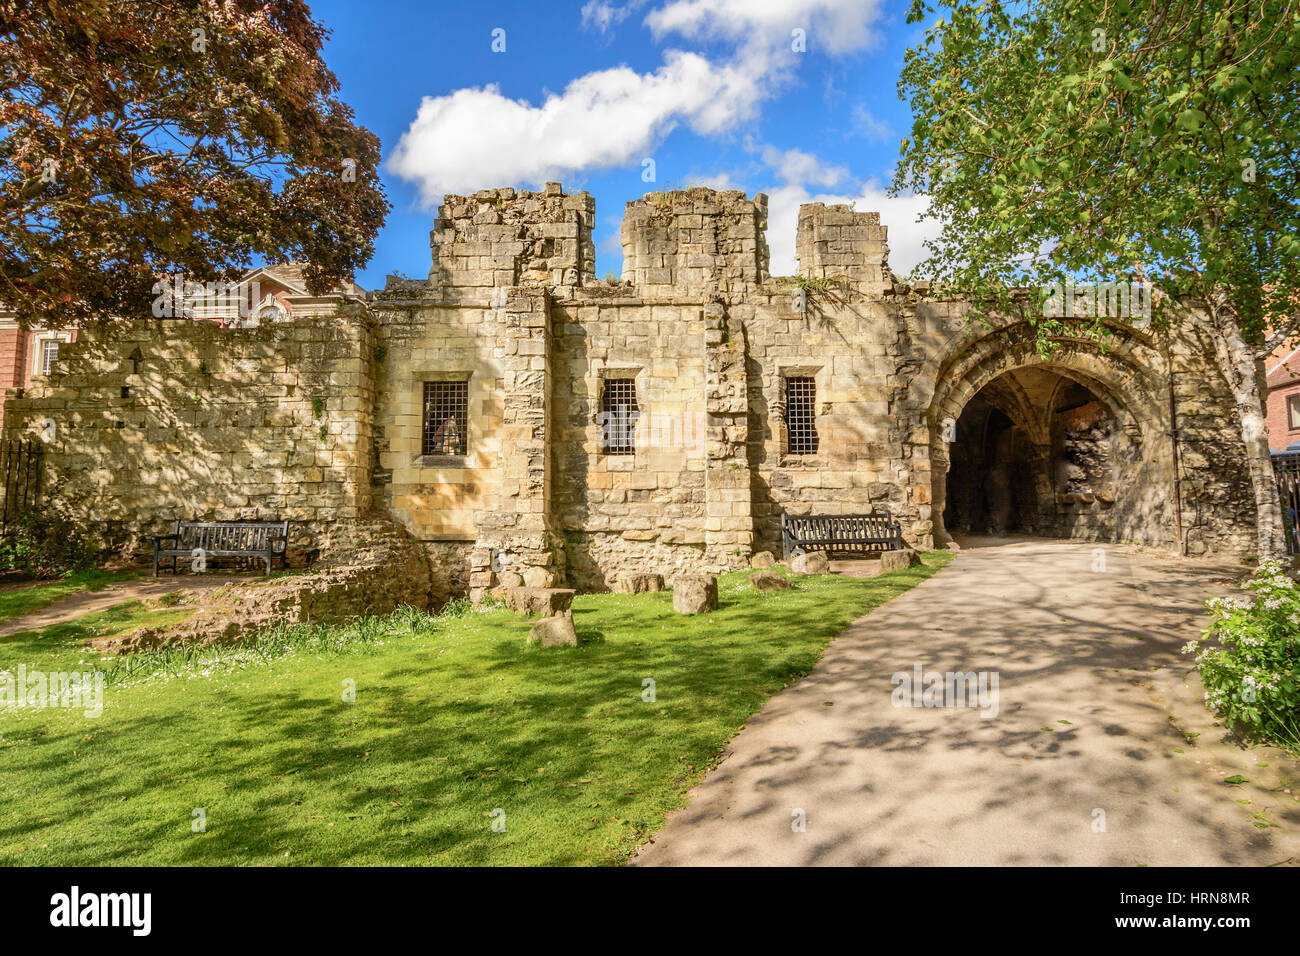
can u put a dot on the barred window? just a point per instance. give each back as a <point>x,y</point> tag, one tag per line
<point>446,418</point>
<point>618,416</point>
<point>801,416</point>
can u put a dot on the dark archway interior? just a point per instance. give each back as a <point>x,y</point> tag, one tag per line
<point>1034,452</point>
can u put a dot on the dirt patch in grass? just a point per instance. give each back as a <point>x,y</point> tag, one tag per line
<point>64,604</point>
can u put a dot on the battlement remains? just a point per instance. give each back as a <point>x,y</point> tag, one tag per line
<point>834,242</point>
<point>695,239</point>
<point>511,237</point>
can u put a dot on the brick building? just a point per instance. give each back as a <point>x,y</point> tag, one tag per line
<point>1282,374</point>
<point>25,353</point>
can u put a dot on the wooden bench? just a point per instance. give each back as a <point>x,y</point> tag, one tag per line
<point>841,534</point>
<point>267,541</point>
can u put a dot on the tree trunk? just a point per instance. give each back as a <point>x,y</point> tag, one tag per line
<point>1237,362</point>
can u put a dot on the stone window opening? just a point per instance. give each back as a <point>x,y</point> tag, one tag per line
<point>801,415</point>
<point>1293,412</point>
<point>446,418</point>
<point>273,312</point>
<point>618,416</point>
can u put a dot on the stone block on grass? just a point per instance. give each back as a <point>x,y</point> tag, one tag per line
<point>536,602</point>
<point>695,593</point>
<point>811,562</point>
<point>556,631</point>
<point>769,581</point>
<point>898,560</point>
<point>639,584</point>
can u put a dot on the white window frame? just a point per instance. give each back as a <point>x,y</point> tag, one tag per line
<point>38,349</point>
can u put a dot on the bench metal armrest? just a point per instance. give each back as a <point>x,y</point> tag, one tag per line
<point>158,539</point>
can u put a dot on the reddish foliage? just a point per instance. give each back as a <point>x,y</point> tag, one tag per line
<point>135,145</point>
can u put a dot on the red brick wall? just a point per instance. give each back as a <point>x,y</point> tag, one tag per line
<point>13,362</point>
<point>1283,371</point>
<point>1280,432</point>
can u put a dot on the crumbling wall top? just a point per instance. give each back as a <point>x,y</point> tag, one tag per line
<point>696,239</point>
<point>511,237</point>
<point>838,244</point>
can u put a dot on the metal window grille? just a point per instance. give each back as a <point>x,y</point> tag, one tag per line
<point>446,418</point>
<point>619,415</point>
<point>49,352</point>
<point>801,416</point>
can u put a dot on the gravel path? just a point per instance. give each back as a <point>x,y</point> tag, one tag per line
<point>1085,761</point>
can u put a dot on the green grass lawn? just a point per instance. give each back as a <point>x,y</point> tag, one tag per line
<point>20,601</point>
<point>454,717</point>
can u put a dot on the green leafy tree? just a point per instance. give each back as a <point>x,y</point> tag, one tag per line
<point>1119,140</point>
<point>146,138</point>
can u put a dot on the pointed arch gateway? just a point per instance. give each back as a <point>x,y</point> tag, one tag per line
<point>1075,443</point>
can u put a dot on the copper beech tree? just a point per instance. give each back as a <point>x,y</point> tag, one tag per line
<point>144,138</point>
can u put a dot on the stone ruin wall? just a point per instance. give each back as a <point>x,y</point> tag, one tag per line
<point>152,420</point>
<point>222,423</point>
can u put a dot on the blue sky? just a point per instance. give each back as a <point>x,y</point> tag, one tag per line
<point>713,91</point>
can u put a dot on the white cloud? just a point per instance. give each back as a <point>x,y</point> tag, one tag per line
<point>832,26</point>
<point>474,137</point>
<point>796,166</point>
<point>719,181</point>
<point>601,15</point>
<point>868,127</point>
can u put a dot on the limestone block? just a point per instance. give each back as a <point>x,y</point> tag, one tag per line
<point>535,602</point>
<point>898,560</point>
<point>769,581</point>
<point>811,562</point>
<point>538,578</point>
<point>554,631</point>
<point>762,560</point>
<point>695,593</point>
<point>639,583</point>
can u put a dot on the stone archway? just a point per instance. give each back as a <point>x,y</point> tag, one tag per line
<point>1072,444</point>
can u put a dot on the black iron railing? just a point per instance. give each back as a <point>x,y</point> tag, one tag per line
<point>20,474</point>
<point>1286,472</point>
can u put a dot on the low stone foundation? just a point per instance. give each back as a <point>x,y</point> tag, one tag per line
<point>368,567</point>
<point>596,561</point>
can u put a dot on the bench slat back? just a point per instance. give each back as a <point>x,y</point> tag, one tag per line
<point>876,531</point>
<point>234,536</point>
